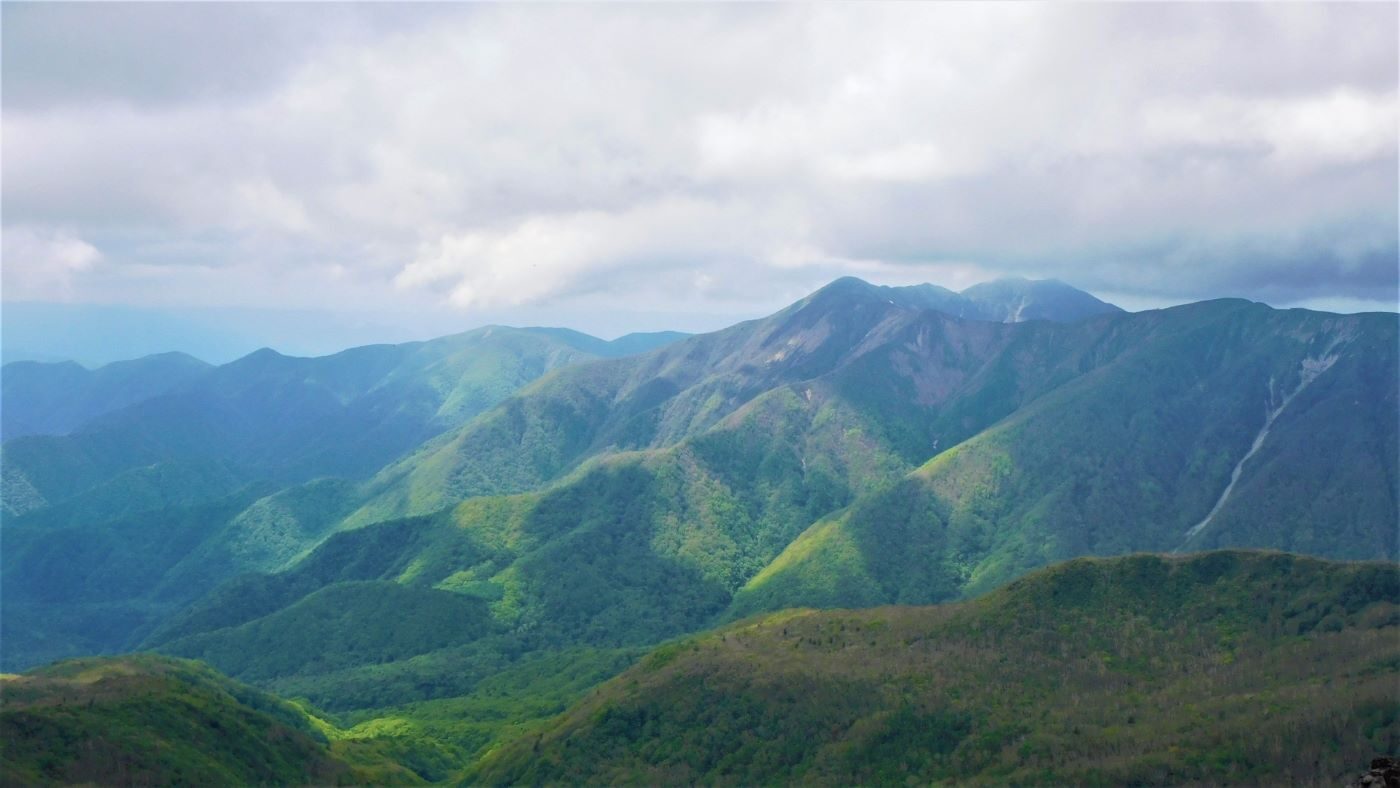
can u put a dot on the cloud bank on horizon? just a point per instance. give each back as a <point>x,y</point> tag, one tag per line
<point>490,161</point>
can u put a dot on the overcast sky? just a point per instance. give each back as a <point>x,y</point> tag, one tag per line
<point>618,167</point>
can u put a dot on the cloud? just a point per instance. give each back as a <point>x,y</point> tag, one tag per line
<point>718,158</point>
<point>43,264</point>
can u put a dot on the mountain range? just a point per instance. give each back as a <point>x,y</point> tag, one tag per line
<point>441,545</point>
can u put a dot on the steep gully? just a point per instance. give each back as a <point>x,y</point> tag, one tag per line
<point>1311,369</point>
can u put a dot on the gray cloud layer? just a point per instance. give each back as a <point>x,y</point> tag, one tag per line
<point>715,159</point>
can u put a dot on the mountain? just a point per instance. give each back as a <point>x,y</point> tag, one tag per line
<point>138,511</point>
<point>55,399</point>
<point>1015,300</point>
<point>1224,424</point>
<point>291,419</point>
<point>864,446</point>
<point>861,447</point>
<point>154,721</point>
<point>1218,668</point>
<point>850,330</point>
<point>1009,300</point>
<point>855,449</point>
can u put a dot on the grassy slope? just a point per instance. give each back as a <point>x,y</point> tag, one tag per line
<point>153,720</point>
<point>1219,667</point>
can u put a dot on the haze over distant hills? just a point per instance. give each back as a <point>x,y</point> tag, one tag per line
<point>97,334</point>
<point>469,532</point>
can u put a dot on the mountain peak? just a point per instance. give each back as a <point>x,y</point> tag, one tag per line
<point>846,285</point>
<point>1017,299</point>
<point>1006,300</point>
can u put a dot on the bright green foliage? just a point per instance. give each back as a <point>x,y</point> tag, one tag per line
<point>146,720</point>
<point>819,349</point>
<point>633,549</point>
<point>1220,667</point>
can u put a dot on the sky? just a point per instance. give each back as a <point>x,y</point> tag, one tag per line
<point>318,175</point>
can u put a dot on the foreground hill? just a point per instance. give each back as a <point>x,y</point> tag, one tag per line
<point>1224,667</point>
<point>154,721</point>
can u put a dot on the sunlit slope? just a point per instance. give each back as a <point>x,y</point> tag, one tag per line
<point>281,418</point>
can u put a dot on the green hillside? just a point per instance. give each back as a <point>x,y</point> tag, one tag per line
<point>146,720</point>
<point>1224,667</point>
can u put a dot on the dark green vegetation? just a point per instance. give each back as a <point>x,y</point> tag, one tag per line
<point>1224,667</point>
<point>156,721</point>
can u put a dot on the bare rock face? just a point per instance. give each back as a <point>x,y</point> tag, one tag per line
<point>1384,773</point>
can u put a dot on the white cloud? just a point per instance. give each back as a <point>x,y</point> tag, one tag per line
<point>43,265</point>
<point>501,156</point>
<point>1344,125</point>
